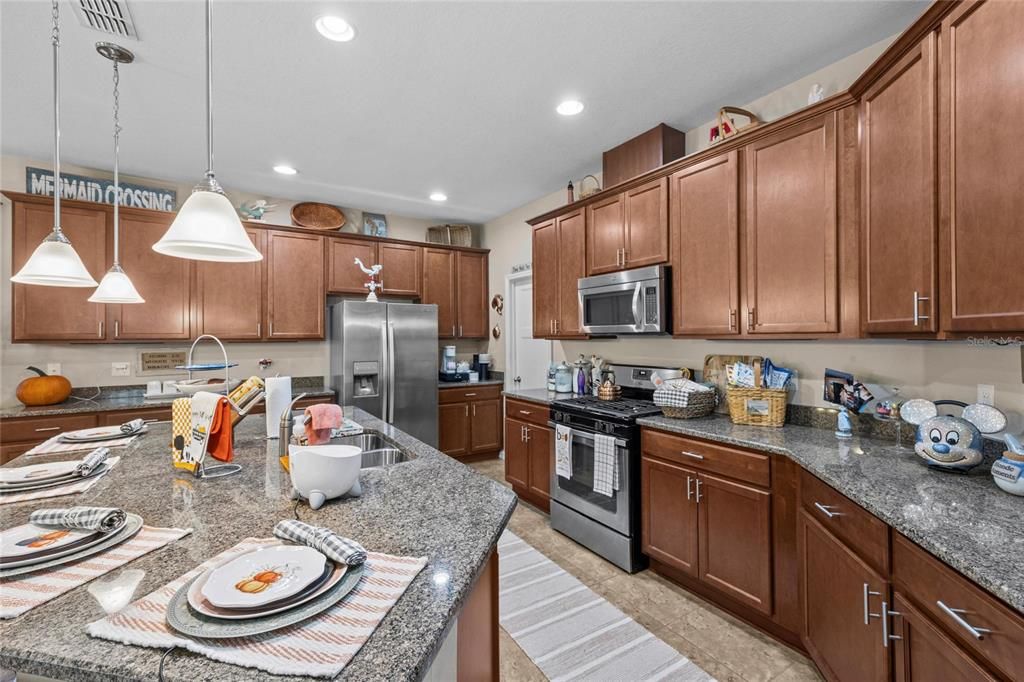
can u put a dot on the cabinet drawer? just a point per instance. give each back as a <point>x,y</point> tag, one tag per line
<point>862,531</point>
<point>468,394</point>
<point>38,429</point>
<point>534,413</point>
<point>751,467</point>
<point>162,414</point>
<point>932,585</point>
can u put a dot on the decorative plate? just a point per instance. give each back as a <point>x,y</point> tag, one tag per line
<point>317,216</point>
<point>332,574</point>
<point>29,540</point>
<point>132,525</point>
<point>36,473</point>
<point>263,576</point>
<point>64,480</point>
<point>99,433</point>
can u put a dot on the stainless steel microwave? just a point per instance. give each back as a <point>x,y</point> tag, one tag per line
<point>627,302</point>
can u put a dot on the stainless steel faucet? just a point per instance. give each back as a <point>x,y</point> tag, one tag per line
<point>284,430</point>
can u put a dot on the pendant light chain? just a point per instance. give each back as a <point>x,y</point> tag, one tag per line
<point>55,38</point>
<point>209,91</point>
<point>117,154</point>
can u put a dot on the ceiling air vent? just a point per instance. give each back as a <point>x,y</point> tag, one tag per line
<point>107,16</point>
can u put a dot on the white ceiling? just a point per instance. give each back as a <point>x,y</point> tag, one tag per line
<point>457,97</point>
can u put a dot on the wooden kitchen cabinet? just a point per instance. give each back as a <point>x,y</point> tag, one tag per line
<point>402,274</point>
<point>439,289</point>
<point>540,442</point>
<point>228,297</point>
<point>981,173</point>
<point>295,286</point>
<point>559,261</point>
<point>471,299</point>
<point>923,653</point>
<point>900,196</point>
<point>529,449</point>
<point>606,234</point>
<point>343,275</point>
<point>669,522</point>
<point>646,224</point>
<point>469,421</point>
<point>485,427</point>
<point>545,279</point>
<point>58,313</point>
<point>706,233</point>
<point>517,454</point>
<point>453,429</point>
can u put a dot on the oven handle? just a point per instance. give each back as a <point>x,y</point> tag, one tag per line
<point>638,313</point>
<point>586,436</point>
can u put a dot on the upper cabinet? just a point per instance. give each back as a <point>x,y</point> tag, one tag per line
<point>343,275</point>
<point>559,261</point>
<point>545,279</point>
<point>439,289</point>
<point>981,167</point>
<point>606,234</point>
<point>456,281</point>
<point>223,296</point>
<point>402,274</point>
<point>296,296</point>
<point>628,230</point>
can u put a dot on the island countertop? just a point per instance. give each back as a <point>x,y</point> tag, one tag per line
<point>431,506</point>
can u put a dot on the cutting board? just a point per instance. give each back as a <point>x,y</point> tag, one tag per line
<point>714,373</point>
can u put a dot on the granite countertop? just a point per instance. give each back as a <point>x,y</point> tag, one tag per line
<point>431,506</point>
<point>964,520</point>
<point>467,384</point>
<point>109,401</point>
<point>538,395</point>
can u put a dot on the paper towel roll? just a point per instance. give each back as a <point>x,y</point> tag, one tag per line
<point>279,394</point>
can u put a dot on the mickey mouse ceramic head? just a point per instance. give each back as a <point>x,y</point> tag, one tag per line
<point>948,442</point>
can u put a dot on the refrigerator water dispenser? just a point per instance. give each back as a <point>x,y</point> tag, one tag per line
<point>365,379</point>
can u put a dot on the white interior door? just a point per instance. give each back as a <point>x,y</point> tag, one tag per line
<point>526,357</point>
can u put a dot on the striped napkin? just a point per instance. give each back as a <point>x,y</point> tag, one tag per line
<point>318,647</point>
<point>103,519</point>
<point>24,592</point>
<point>91,461</point>
<point>54,446</point>
<point>132,426</point>
<point>323,540</point>
<point>58,491</point>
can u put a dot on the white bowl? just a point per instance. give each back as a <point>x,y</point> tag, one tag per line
<point>322,472</point>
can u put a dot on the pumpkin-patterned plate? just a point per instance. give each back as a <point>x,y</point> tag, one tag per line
<point>331,575</point>
<point>263,576</point>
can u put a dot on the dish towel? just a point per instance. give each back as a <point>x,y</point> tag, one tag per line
<point>323,540</point>
<point>318,647</point>
<point>132,426</point>
<point>60,490</point>
<point>27,591</point>
<point>54,446</point>
<point>211,428</point>
<point>606,475</point>
<point>319,421</point>
<point>563,451</point>
<point>91,461</point>
<point>103,519</point>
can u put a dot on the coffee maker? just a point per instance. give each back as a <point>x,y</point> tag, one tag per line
<point>482,365</point>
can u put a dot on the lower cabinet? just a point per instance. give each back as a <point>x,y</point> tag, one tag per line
<point>923,653</point>
<point>528,451</point>
<point>469,422</point>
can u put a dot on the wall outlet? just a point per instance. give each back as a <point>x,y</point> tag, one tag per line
<point>53,368</point>
<point>120,369</point>
<point>986,394</point>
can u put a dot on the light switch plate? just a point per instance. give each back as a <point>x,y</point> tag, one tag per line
<point>120,369</point>
<point>986,394</point>
<point>53,368</point>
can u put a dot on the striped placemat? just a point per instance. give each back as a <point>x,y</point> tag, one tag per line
<point>318,647</point>
<point>60,490</point>
<point>24,592</point>
<point>55,446</point>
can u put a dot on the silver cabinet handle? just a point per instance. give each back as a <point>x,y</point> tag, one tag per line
<point>689,487</point>
<point>826,509</point>
<point>976,632</point>
<point>460,330</point>
<point>101,329</point>
<point>886,612</point>
<point>527,434</point>
<point>625,257</point>
<point>699,484</point>
<point>750,318</point>
<point>522,433</point>
<point>469,395</point>
<point>117,328</point>
<point>259,329</point>
<point>557,330</point>
<point>691,454</point>
<point>474,409</point>
<point>48,428</point>
<point>467,409</point>
<point>732,319</point>
<point>917,307</point>
<point>868,593</point>
<point>271,328</point>
<point>525,412</point>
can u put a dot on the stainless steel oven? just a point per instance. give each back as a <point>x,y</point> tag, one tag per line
<point>578,494</point>
<point>627,302</point>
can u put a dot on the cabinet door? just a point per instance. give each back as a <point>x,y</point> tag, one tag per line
<point>58,313</point>
<point>571,256</point>
<point>517,454</point>
<point>296,296</point>
<point>439,289</point>
<point>472,294</point>
<point>791,230</point>
<point>453,429</point>
<point>229,296</point>
<point>669,514</point>
<point>923,653</point>
<point>981,173</point>
<point>403,269</point>
<point>485,426</point>
<point>647,224</point>
<point>164,281</point>
<point>705,238</point>
<point>541,444</point>
<point>545,279</point>
<point>736,540</point>
<point>343,275</point>
<point>840,633</point>
<point>606,235</point>
<point>900,224</point>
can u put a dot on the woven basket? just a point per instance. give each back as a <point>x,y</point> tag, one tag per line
<point>699,404</point>
<point>317,216</point>
<point>452,235</point>
<point>757,406</point>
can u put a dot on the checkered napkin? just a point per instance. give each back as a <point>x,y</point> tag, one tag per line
<point>606,469</point>
<point>103,519</point>
<point>320,646</point>
<point>24,592</point>
<point>91,461</point>
<point>323,540</point>
<point>55,446</point>
<point>683,394</point>
<point>132,426</point>
<point>79,486</point>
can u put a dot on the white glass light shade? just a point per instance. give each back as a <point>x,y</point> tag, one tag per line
<point>207,228</point>
<point>115,287</point>
<point>55,263</point>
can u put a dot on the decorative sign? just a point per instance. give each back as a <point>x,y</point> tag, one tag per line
<point>100,190</point>
<point>161,362</point>
<point>1006,470</point>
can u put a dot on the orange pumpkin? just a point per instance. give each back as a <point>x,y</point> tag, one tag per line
<point>43,389</point>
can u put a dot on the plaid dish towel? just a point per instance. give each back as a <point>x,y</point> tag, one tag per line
<point>323,540</point>
<point>91,461</point>
<point>132,426</point>
<point>79,486</point>
<point>606,474</point>
<point>103,519</point>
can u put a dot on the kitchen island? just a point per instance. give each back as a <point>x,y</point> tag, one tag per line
<point>429,506</point>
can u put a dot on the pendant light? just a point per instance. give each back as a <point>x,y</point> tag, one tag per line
<point>55,263</point>
<point>207,226</point>
<point>115,287</point>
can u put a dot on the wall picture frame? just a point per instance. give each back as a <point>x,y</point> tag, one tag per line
<point>375,224</point>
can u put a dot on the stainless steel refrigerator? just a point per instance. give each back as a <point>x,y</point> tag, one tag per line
<point>384,360</point>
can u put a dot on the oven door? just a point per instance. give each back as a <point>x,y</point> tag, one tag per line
<point>578,492</point>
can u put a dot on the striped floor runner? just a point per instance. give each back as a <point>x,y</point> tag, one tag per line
<point>571,632</point>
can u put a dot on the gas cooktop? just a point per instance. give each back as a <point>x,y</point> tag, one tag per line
<point>623,409</point>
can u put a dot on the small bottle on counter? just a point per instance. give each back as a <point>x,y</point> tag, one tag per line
<point>571,195</point>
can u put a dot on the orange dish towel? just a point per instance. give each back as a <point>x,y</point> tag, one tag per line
<point>319,421</point>
<point>221,445</point>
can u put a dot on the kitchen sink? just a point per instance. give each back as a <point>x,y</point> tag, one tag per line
<point>378,449</point>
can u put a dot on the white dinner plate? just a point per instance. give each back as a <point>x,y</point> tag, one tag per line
<point>27,540</point>
<point>131,526</point>
<point>35,473</point>
<point>263,576</point>
<point>63,480</point>
<point>99,433</point>
<point>332,574</point>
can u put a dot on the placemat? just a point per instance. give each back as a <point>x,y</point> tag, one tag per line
<point>60,490</point>
<point>24,592</point>
<point>54,446</point>
<point>318,647</point>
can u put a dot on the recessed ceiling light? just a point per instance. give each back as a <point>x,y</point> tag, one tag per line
<point>438,196</point>
<point>335,28</point>
<point>570,107</point>
<point>284,169</point>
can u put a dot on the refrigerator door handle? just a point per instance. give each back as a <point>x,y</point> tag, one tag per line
<point>385,382</point>
<point>391,373</point>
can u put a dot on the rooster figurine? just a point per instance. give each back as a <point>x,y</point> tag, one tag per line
<point>373,285</point>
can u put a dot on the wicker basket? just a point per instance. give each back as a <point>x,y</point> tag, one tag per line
<point>317,216</point>
<point>699,404</point>
<point>757,406</point>
<point>452,235</point>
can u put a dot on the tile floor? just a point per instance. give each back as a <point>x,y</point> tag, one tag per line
<point>720,644</point>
